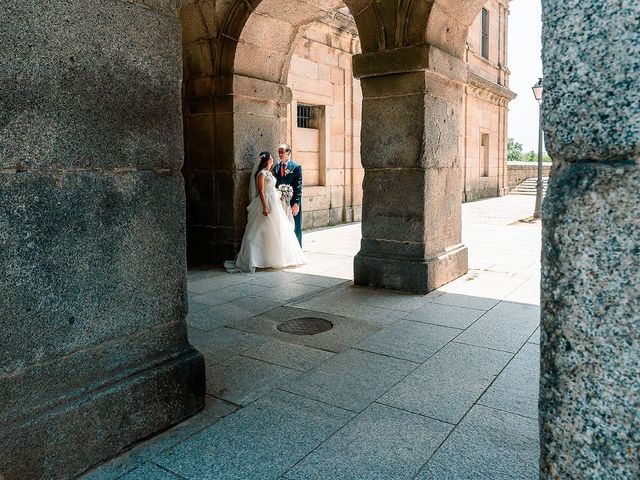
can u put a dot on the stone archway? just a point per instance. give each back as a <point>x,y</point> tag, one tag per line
<point>236,64</point>
<point>412,77</point>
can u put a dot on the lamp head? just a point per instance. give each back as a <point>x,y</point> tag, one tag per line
<point>537,89</point>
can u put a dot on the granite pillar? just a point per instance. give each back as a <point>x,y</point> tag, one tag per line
<point>411,129</point>
<point>590,335</point>
<point>93,353</point>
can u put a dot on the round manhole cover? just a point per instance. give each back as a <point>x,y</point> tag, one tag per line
<point>305,326</point>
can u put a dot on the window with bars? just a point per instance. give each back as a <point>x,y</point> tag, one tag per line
<point>485,34</point>
<point>307,116</point>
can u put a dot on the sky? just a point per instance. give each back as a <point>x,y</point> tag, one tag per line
<point>525,65</point>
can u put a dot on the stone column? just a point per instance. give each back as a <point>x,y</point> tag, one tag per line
<point>590,341</point>
<point>412,124</point>
<point>93,351</point>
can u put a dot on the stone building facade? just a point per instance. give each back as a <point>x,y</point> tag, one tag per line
<point>325,114</point>
<point>486,100</point>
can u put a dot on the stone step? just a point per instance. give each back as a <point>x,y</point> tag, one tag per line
<point>528,187</point>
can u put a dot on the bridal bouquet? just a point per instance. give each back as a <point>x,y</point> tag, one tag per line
<point>286,191</point>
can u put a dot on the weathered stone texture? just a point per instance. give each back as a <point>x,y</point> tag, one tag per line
<point>591,56</point>
<point>94,354</point>
<point>411,208</point>
<point>590,390</point>
<point>89,84</point>
<point>70,437</point>
<point>93,292</point>
<point>88,256</point>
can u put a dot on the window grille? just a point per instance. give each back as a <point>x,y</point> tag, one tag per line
<point>485,33</point>
<point>307,116</point>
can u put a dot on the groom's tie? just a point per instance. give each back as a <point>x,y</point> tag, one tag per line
<point>282,169</point>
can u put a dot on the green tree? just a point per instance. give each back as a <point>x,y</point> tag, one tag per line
<point>514,151</point>
<point>530,156</point>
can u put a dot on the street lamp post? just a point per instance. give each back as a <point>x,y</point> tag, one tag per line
<point>537,92</point>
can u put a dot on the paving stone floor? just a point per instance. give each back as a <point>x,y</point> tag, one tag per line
<point>441,386</point>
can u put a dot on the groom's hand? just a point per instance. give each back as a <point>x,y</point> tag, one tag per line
<point>295,209</point>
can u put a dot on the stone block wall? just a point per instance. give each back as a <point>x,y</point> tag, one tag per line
<point>520,171</point>
<point>321,75</point>
<point>484,121</point>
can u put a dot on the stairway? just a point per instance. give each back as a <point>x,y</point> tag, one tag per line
<point>528,187</point>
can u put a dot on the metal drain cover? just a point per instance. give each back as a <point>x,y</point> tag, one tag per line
<point>305,326</point>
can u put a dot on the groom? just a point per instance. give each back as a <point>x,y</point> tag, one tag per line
<point>290,173</point>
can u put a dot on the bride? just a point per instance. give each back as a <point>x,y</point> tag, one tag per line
<point>269,240</point>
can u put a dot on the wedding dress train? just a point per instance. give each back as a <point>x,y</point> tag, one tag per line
<point>269,241</point>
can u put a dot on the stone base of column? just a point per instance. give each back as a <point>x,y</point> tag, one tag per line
<point>411,275</point>
<point>80,431</point>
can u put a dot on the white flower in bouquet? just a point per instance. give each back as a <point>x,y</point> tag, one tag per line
<point>286,191</point>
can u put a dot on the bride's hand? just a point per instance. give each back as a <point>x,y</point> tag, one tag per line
<point>265,211</point>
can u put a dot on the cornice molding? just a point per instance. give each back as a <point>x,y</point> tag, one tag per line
<point>482,87</point>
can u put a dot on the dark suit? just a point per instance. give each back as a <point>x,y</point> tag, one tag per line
<point>292,176</point>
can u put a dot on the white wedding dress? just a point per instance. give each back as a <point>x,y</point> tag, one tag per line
<point>269,241</point>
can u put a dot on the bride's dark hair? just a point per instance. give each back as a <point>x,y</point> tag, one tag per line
<point>264,160</point>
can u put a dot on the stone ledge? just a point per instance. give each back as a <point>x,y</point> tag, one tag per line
<point>410,59</point>
<point>88,370</point>
<point>66,441</point>
<point>408,274</point>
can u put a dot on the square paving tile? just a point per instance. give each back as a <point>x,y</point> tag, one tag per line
<point>289,355</point>
<point>320,280</point>
<point>352,379</point>
<point>273,279</point>
<point>370,313</point>
<point>516,388</point>
<point>328,301</point>
<point>290,291</point>
<point>381,443</point>
<point>488,444</point>
<point>345,333</point>
<point>411,341</point>
<point>529,293</point>
<point>242,380</point>
<point>445,315</point>
<point>506,327</point>
<point>486,284</point>
<point>228,294</point>
<point>448,384</point>
<point>535,338</point>
<point>223,343</point>
<point>261,441</point>
<point>144,452</point>
<point>214,280</point>
<point>466,301</point>
<point>389,299</point>
<point>208,317</point>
